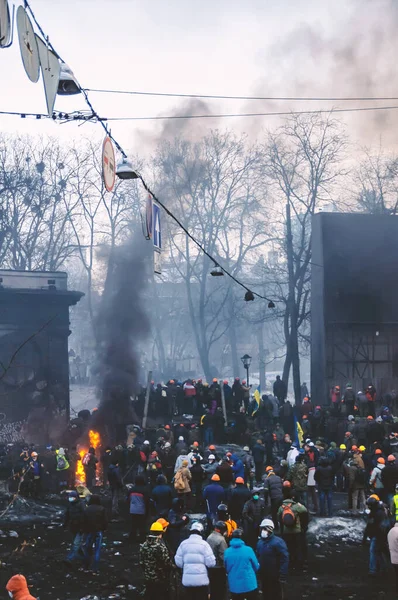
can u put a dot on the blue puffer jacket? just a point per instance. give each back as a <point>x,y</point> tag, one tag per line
<point>273,557</point>
<point>241,565</point>
<point>238,467</point>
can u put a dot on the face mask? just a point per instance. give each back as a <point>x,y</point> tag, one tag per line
<point>71,499</point>
<point>264,534</point>
<point>255,497</point>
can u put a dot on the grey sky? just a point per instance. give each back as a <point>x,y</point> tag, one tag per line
<point>301,47</point>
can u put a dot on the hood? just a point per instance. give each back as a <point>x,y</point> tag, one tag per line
<point>18,586</point>
<point>236,543</point>
<point>234,458</point>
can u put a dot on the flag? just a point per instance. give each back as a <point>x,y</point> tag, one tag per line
<point>298,432</point>
<point>257,398</point>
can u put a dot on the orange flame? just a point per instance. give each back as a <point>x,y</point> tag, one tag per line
<point>95,439</point>
<point>80,475</point>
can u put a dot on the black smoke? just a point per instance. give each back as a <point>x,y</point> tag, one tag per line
<point>121,325</point>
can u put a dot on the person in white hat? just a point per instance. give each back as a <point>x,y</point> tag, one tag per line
<point>194,556</point>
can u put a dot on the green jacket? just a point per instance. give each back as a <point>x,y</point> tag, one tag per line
<point>301,514</point>
<point>155,560</point>
<point>298,476</point>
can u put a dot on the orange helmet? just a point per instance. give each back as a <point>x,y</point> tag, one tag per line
<point>196,444</point>
<point>287,484</point>
<point>354,448</point>
<point>212,447</point>
<point>268,469</point>
<point>163,523</point>
<point>215,477</point>
<point>370,418</point>
<point>390,458</point>
<point>381,461</point>
<point>239,480</point>
<point>378,451</point>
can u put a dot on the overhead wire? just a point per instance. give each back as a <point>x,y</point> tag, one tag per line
<point>263,114</point>
<point>226,97</point>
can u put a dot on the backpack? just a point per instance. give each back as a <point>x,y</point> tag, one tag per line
<point>61,463</point>
<point>86,459</point>
<point>179,484</point>
<point>288,517</point>
<point>360,476</point>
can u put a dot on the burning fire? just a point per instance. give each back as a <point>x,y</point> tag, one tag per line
<point>95,439</point>
<point>94,442</point>
<point>80,475</point>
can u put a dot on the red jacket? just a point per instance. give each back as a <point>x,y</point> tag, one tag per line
<point>19,588</point>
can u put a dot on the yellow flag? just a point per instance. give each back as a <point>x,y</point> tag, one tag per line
<point>300,433</point>
<point>257,398</point>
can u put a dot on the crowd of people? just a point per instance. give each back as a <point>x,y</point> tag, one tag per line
<point>225,506</point>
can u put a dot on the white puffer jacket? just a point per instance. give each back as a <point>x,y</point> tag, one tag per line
<point>194,556</point>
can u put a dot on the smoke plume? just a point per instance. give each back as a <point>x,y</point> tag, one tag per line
<point>121,324</point>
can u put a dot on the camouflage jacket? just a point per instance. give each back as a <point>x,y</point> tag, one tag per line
<point>155,559</point>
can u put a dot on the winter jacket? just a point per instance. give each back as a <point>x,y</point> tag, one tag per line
<point>179,460</point>
<point>213,495</point>
<point>291,456</point>
<point>74,516</point>
<point>392,539</point>
<point>254,512</point>
<point>258,453</point>
<point>389,478</point>
<point>273,486</point>
<point>162,496</point>
<point>238,467</point>
<point>241,565</point>
<point>114,478</point>
<point>210,469</point>
<point>300,512</point>
<point>18,586</point>
<point>225,473</point>
<point>275,406</point>
<point>176,531</point>
<point>324,476</point>
<point>239,496</point>
<point>273,557</point>
<point>95,519</point>
<point>155,560</point>
<point>375,477</point>
<point>139,500</point>
<point>378,524</point>
<point>194,556</point>
<point>298,476</point>
<point>186,477</point>
<point>197,473</point>
<point>218,544</point>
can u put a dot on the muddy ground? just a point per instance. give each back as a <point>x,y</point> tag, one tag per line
<point>336,568</point>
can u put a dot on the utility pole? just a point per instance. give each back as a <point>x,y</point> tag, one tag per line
<point>292,308</point>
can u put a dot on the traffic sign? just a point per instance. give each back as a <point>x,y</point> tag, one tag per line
<point>157,233</point>
<point>149,217</point>
<point>28,45</point>
<point>50,69</point>
<point>108,164</point>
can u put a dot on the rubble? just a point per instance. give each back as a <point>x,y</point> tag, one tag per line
<point>336,529</point>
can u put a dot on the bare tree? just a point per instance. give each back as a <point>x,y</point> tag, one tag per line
<point>213,186</point>
<point>302,167</point>
<point>377,180</point>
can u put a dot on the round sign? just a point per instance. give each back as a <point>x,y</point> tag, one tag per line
<point>108,164</point>
<point>28,45</point>
<point>149,217</point>
<point>5,25</point>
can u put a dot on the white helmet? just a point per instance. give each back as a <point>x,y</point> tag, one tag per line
<point>212,457</point>
<point>167,445</point>
<point>268,524</point>
<point>146,443</point>
<point>196,526</point>
<point>246,448</point>
<point>180,439</point>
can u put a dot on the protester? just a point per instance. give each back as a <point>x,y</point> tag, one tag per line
<point>273,557</point>
<point>115,485</point>
<point>138,497</point>
<point>17,588</point>
<point>75,521</point>
<point>194,556</point>
<point>217,575</point>
<point>241,565</point>
<point>213,495</point>
<point>156,563</point>
<point>95,523</point>
<point>252,515</point>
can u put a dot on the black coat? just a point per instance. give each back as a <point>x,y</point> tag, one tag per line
<point>74,517</point>
<point>258,453</point>
<point>95,519</point>
<point>240,495</point>
<point>162,496</point>
<point>324,476</point>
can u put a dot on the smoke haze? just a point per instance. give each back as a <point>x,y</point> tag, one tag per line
<point>121,324</point>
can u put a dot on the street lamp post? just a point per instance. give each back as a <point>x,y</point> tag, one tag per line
<point>246,360</point>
